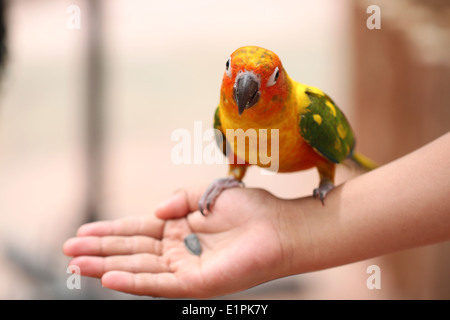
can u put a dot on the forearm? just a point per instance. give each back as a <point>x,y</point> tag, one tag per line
<point>401,205</point>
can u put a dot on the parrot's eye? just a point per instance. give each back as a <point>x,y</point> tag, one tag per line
<point>274,77</point>
<point>228,67</point>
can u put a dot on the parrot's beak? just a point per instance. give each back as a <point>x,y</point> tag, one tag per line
<point>246,90</point>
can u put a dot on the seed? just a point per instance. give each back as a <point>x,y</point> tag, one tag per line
<point>193,244</point>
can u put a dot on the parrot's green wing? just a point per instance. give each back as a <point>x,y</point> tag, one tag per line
<point>325,128</point>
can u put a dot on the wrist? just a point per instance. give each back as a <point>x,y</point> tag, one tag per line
<point>316,236</point>
<point>295,220</point>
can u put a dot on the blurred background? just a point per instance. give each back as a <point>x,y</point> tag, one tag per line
<point>86,117</point>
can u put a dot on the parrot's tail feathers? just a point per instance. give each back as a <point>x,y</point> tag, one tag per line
<point>363,162</point>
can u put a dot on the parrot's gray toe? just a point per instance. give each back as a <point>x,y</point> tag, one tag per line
<point>214,190</point>
<point>323,189</point>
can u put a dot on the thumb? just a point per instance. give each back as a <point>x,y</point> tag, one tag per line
<point>180,204</point>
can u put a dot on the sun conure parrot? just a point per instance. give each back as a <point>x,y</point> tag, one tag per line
<point>257,93</point>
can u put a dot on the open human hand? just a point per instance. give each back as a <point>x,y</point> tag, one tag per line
<point>241,247</point>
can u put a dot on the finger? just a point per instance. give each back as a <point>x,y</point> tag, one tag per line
<point>137,263</point>
<point>149,284</point>
<point>111,245</point>
<point>179,204</point>
<point>145,225</point>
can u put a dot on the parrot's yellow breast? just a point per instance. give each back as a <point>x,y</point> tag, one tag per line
<point>276,138</point>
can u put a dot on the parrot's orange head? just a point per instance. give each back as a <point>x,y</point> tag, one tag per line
<point>254,77</point>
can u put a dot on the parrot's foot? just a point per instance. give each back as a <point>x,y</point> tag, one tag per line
<point>323,189</point>
<point>214,190</point>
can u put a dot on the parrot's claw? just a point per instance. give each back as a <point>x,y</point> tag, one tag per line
<point>322,190</point>
<point>214,190</point>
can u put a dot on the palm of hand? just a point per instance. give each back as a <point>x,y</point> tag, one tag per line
<point>240,246</point>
